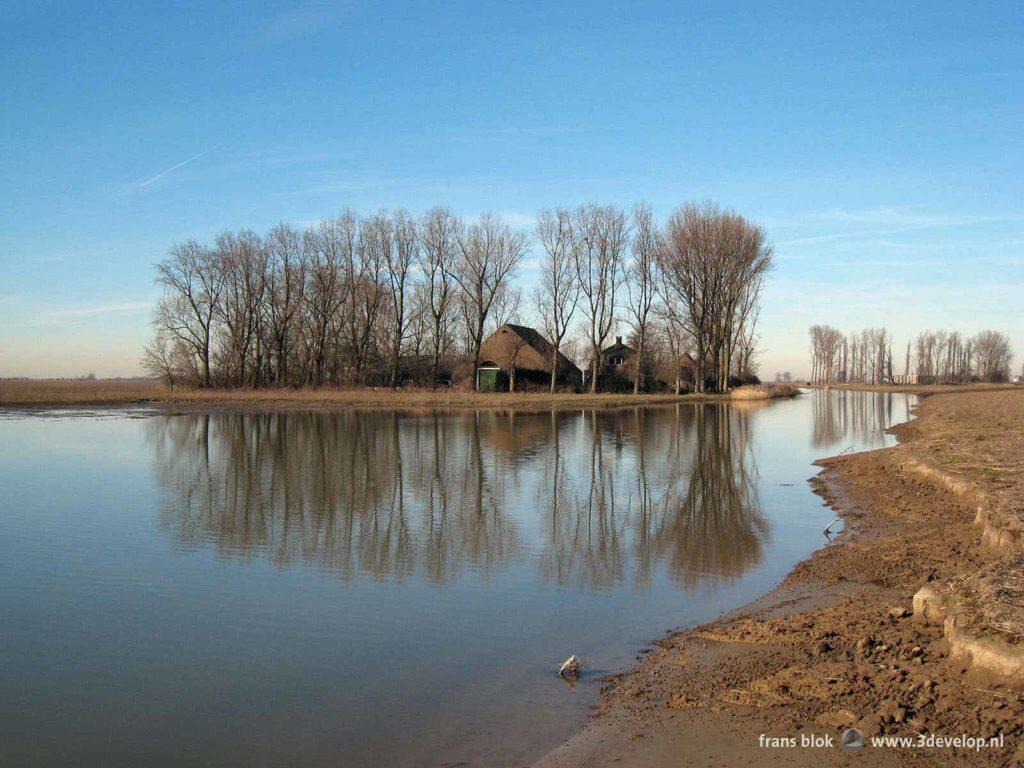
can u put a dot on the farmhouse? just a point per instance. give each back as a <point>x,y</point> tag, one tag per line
<point>687,369</point>
<point>914,378</point>
<point>618,359</point>
<point>515,356</point>
<point>618,367</point>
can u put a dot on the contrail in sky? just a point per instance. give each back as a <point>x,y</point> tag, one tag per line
<point>173,168</point>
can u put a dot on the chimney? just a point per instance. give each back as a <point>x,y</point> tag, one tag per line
<point>618,339</point>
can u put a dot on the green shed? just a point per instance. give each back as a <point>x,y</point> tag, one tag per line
<point>489,378</point>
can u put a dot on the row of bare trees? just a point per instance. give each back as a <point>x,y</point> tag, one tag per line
<point>354,298</point>
<point>863,356</point>
<point>690,287</point>
<point>945,357</point>
<point>342,302</point>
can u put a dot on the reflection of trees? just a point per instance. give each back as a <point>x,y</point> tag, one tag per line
<point>670,485</point>
<point>862,417</point>
<point>386,494</point>
<point>602,497</point>
<point>712,527</point>
<point>585,529</point>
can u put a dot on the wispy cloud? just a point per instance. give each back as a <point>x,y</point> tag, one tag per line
<point>295,23</point>
<point>173,168</point>
<point>519,220</point>
<point>887,222</point>
<point>540,130</point>
<point>34,315</point>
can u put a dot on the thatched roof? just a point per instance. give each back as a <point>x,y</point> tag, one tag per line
<point>539,344</point>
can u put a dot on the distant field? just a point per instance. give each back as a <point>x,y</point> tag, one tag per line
<point>43,393</point>
<point>919,389</point>
<point>69,392</point>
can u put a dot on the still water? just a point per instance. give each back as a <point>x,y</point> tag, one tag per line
<point>377,588</point>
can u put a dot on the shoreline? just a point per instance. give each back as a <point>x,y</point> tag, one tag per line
<point>834,645</point>
<point>67,395</point>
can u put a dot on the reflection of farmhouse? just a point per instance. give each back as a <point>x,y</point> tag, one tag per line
<point>515,356</point>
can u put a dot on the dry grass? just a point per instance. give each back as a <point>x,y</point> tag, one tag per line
<point>57,393</point>
<point>764,392</point>
<point>43,392</point>
<point>920,389</point>
<point>995,598</point>
<point>979,435</point>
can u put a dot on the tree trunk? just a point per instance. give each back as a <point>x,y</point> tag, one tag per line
<point>476,365</point>
<point>554,369</point>
<point>639,364</point>
<point>206,361</point>
<point>433,366</point>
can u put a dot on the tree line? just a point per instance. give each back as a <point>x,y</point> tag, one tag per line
<point>945,357</point>
<point>354,299</point>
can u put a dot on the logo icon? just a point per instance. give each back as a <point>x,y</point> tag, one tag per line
<point>852,739</point>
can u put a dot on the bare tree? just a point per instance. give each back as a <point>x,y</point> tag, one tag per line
<point>488,253</point>
<point>642,283</point>
<point>192,277</point>
<point>400,258</point>
<point>507,308</point>
<point>993,355</point>
<point>745,350</point>
<point>558,294</point>
<point>827,345</point>
<point>243,260</point>
<point>713,263</point>
<point>672,319</point>
<point>286,283</point>
<point>366,245</point>
<point>439,233</point>
<point>159,358</point>
<point>600,238</point>
<point>331,283</point>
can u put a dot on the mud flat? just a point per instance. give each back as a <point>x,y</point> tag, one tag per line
<point>908,623</point>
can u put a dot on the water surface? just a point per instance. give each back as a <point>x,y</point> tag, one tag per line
<point>378,588</point>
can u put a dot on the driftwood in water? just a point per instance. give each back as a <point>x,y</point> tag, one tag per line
<point>570,667</point>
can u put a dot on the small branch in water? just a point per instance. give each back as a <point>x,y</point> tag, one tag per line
<point>570,667</point>
<point>828,528</point>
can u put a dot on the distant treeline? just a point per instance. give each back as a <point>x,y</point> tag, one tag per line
<point>942,357</point>
<point>365,300</point>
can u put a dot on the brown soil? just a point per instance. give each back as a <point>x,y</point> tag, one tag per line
<point>835,645</point>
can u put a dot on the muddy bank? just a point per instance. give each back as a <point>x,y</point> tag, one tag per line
<point>837,644</point>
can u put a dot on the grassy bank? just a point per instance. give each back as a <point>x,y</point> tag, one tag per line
<point>60,393</point>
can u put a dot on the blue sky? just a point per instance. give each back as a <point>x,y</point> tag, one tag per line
<point>879,144</point>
